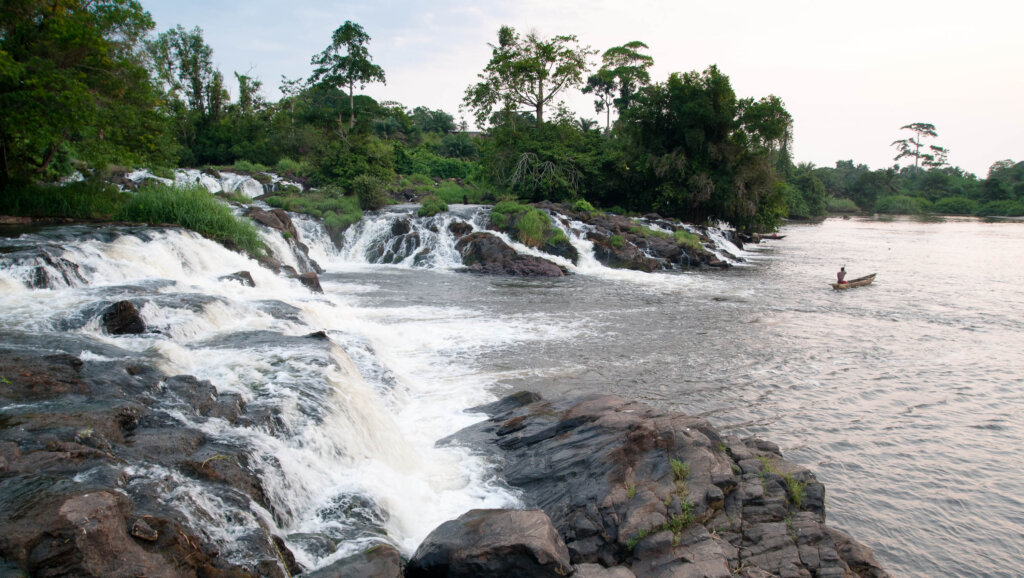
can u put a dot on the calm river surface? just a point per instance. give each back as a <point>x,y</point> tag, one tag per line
<point>905,397</point>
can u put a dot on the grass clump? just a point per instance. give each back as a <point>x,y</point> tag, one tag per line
<point>453,193</point>
<point>582,206</point>
<point>685,238</point>
<point>244,166</point>
<point>431,206</point>
<point>81,200</point>
<point>794,487</point>
<point>900,205</point>
<point>193,208</point>
<point>338,211</point>
<point>616,241</point>
<point>680,469</point>
<point>529,225</point>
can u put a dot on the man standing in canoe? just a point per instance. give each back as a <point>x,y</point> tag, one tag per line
<point>841,275</point>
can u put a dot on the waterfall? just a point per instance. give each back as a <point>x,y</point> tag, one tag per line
<point>346,453</point>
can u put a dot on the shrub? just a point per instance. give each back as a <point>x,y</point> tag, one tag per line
<point>1005,208</point>
<point>244,166</point>
<point>530,225</point>
<point>421,179</point>
<point>287,166</point>
<point>452,193</point>
<point>431,206</point>
<point>955,206</point>
<point>841,205</point>
<point>370,192</point>
<point>582,206</point>
<point>616,241</point>
<point>193,208</point>
<point>899,205</point>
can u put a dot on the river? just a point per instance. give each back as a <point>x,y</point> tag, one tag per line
<point>904,397</point>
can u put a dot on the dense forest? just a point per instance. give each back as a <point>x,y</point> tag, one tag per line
<point>91,86</point>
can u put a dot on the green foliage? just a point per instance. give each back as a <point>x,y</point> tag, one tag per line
<point>582,206</point>
<point>900,205</point>
<point>526,71</point>
<point>795,488</point>
<point>72,86</point>
<point>337,210</point>
<point>631,491</point>
<point>529,225</point>
<point>697,153</point>
<point>688,239</point>
<point>81,200</point>
<point>347,63</point>
<point>370,191</point>
<point>288,167</point>
<point>431,206</point>
<point>452,193</point>
<point>955,206</point>
<point>840,205</point>
<point>244,166</point>
<point>1004,208</point>
<point>680,469</point>
<point>193,208</point>
<point>617,241</point>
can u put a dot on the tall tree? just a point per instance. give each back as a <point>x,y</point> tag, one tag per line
<point>346,63</point>
<point>911,147</point>
<point>623,71</point>
<point>526,71</point>
<point>72,75</point>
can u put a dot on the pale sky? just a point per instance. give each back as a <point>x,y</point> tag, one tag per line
<point>850,73</point>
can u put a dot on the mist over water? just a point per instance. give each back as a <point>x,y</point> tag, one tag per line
<point>904,397</point>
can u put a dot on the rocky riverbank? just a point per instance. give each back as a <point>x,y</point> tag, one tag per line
<point>90,452</point>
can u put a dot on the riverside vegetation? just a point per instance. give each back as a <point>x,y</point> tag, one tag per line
<point>685,146</point>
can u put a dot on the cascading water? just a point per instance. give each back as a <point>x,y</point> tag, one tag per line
<point>343,433</point>
<point>348,457</point>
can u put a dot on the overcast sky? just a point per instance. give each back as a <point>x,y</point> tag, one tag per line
<point>850,73</point>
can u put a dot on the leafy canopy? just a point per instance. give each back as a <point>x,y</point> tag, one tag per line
<point>71,74</point>
<point>346,63</point>
<point>526,71</point>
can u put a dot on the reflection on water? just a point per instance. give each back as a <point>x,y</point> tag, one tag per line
<point>904,396</point>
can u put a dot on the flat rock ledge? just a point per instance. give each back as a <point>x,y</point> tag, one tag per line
<point>635,491</point>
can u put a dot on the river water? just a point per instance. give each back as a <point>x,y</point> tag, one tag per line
<point>905,397</point>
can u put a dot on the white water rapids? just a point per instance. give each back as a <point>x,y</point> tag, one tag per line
<point>355,457</point>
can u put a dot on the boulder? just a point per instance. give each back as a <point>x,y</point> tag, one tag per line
<point>243,277</point>
<point>380,561</point>
<point>311,281</point>
<point>486,253</point>
<point>492,543</point>
<point>460,229</point>
<point>123,318</point>
<point>621,255</point>
<point>660,493</point>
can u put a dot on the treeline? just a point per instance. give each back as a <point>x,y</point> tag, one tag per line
<point>89,84</point>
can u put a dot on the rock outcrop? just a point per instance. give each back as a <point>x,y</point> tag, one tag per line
<point>646,492</point>
<point>492,544</point>
<point>486,253</point>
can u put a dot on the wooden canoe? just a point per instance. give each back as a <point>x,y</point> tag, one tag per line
<point>858,282</point>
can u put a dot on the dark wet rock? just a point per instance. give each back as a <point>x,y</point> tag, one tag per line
<point>123,318</point>
<point>460,229</point>
<point>485,253</point>
<point>492,543</point>
<point>658,493</point>
<point>618,254</point>
<point>243,277</point>
<point>380,561</point>
<point>563,249</point>
<point>311,281</point>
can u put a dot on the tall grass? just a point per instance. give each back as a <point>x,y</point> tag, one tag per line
<point>432,205</point>
<point>193,208</point>
<point>841,205</point>
<point>82,200</point>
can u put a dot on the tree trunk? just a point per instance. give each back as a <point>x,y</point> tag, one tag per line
<point>351,107</point>
<point>540,101</point>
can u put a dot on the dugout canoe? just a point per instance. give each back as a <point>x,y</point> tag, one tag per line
<point>858,282</point>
